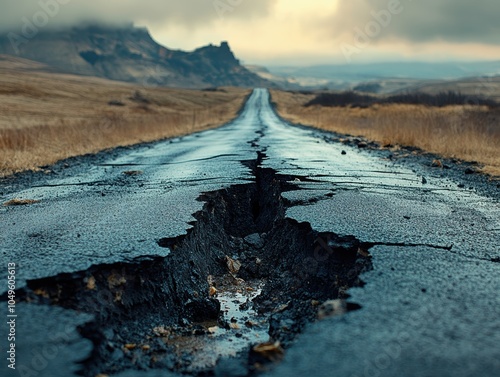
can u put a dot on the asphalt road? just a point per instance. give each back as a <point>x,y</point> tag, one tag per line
<point>431,303</point>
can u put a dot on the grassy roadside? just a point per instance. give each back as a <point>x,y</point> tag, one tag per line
<point>46,117</point>
<point>461,132</point>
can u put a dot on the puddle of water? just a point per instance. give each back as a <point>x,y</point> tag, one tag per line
<point>240,328</point>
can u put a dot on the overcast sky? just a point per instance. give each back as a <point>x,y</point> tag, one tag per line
<point>293,32</point>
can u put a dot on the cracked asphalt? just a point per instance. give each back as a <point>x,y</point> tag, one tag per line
<point>429,307</point>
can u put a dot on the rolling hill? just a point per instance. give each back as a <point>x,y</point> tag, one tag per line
<point>127,53</point>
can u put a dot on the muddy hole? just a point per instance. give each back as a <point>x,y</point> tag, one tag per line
<point>233,294</point>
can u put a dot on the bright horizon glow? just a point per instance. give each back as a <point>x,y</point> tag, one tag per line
<point>293,33</point>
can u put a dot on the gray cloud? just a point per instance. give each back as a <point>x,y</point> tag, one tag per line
<point>426,20</point>
<point>190,13</point>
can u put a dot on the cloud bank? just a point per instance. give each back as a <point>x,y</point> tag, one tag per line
<point>423,21</point>
<point>187,13</point>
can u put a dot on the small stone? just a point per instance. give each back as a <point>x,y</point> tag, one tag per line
<point>213,330</point>
<point>212,291</point>
<point>161,331</point>
<point>280,308</point>
<point>332,308</point>
<point>344,153</point>
<point>437,164</point>
<point>91,284</point>
<point>363,253</point>
<point>233,265</point>
<point>424,180</point>
<point>270,351</point>
<point>254,240</point>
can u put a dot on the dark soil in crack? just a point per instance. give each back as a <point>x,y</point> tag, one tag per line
<point>229,299</point>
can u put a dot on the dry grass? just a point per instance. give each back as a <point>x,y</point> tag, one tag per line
<point>46,117</point>
<point>20,202</point>
<point>462,132</point>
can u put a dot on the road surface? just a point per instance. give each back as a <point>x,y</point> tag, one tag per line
<point>429,304</point>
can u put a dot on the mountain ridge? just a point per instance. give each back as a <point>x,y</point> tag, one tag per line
<point>130,54</point>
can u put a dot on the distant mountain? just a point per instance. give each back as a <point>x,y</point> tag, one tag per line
<point>127,53</point>
<point>390,75</point>
<point>282,82</point>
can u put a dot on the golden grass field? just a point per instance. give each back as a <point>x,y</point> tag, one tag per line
<point>46,117</point>
<point>461,132</point>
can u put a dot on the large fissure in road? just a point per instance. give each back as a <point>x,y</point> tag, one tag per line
<point>231,296</point>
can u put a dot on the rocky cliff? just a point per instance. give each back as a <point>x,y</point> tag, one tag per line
<point>127,53</point>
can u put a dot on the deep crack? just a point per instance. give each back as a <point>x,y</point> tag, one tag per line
<point>272,274</point>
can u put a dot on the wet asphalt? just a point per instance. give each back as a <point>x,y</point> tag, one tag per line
<point>430,306</point>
